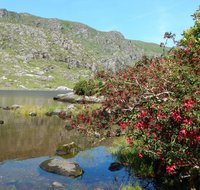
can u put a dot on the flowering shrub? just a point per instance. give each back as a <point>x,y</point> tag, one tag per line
<point>170,133</point>
<point>158,102</point>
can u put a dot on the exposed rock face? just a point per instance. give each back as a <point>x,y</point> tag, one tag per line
<point>3,12</point>
<point>62,167</point>
<point>58,42</point>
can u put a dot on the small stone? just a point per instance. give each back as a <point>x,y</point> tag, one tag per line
<point>32,114</point>
<point>115,166</point>
<point>70,107</point>
<point>49,114</point>
<point>56,184</point>
<point>1,122</point>
<point>97,135</point>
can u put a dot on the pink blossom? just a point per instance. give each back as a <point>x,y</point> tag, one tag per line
<point>151,120</point>
<point>197,137</point>
<point>140,125</point>
<point>129,140</point>
<point>187,121</point>
<point>161,115</point>
<point>158,127</point>
<point>183,133</point>
<point>170,169</point>
<point>123,125</point>
<point>176,115</point>
<point>188,103</point>
<point>143,113</point>
<point>140,155</point>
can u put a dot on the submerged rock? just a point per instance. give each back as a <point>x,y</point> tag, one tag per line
<point>62,167</point>
<point>1,122</point>
<point>56,184</point>
<point>70,149</point>
<point>115,166</point>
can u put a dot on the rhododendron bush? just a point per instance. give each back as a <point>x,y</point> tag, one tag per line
<point>157,101</point>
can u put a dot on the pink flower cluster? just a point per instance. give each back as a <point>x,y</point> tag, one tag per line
<point>171,169</point>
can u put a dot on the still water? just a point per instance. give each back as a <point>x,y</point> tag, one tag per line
<point>25,142</point>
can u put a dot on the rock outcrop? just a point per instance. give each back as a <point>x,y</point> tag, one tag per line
<point>73,98</point>
<point>43,50</point>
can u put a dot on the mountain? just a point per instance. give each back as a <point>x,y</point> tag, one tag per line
<point>38,52</point>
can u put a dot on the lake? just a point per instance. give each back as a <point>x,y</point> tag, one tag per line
<point>25,142</point>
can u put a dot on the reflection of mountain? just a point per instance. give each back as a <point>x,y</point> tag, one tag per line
<point>33,137</point>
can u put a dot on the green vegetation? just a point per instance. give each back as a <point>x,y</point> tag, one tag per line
<point>150,49</point>
<point>40,110</point>
<point>85,87</point>
<point>30,45</point>
<point>158,111</point>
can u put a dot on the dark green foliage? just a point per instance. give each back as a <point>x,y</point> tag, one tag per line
<point>85,87</point>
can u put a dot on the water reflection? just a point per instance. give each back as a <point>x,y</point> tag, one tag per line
<point>25,137</point>
<point>26,174</point>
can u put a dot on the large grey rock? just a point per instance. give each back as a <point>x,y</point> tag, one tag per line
<point>62,167</point>
<point>73,98</point>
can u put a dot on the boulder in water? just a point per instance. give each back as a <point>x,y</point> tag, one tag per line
<point>62,167</point>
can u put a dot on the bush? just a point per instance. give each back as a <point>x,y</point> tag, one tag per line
<point>157,102</point>
<point>85,87</point>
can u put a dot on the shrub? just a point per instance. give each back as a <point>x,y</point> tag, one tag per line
<point>157,102</point>
<point>85,87</point>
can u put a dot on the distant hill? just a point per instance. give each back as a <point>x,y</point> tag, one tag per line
<point>37,52</point>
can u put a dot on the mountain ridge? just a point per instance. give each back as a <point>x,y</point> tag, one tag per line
<point>29,41</point>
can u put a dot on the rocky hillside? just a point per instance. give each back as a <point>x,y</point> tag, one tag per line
<point>37,52</point>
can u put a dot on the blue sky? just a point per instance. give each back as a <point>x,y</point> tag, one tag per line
<point>145,20</point>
